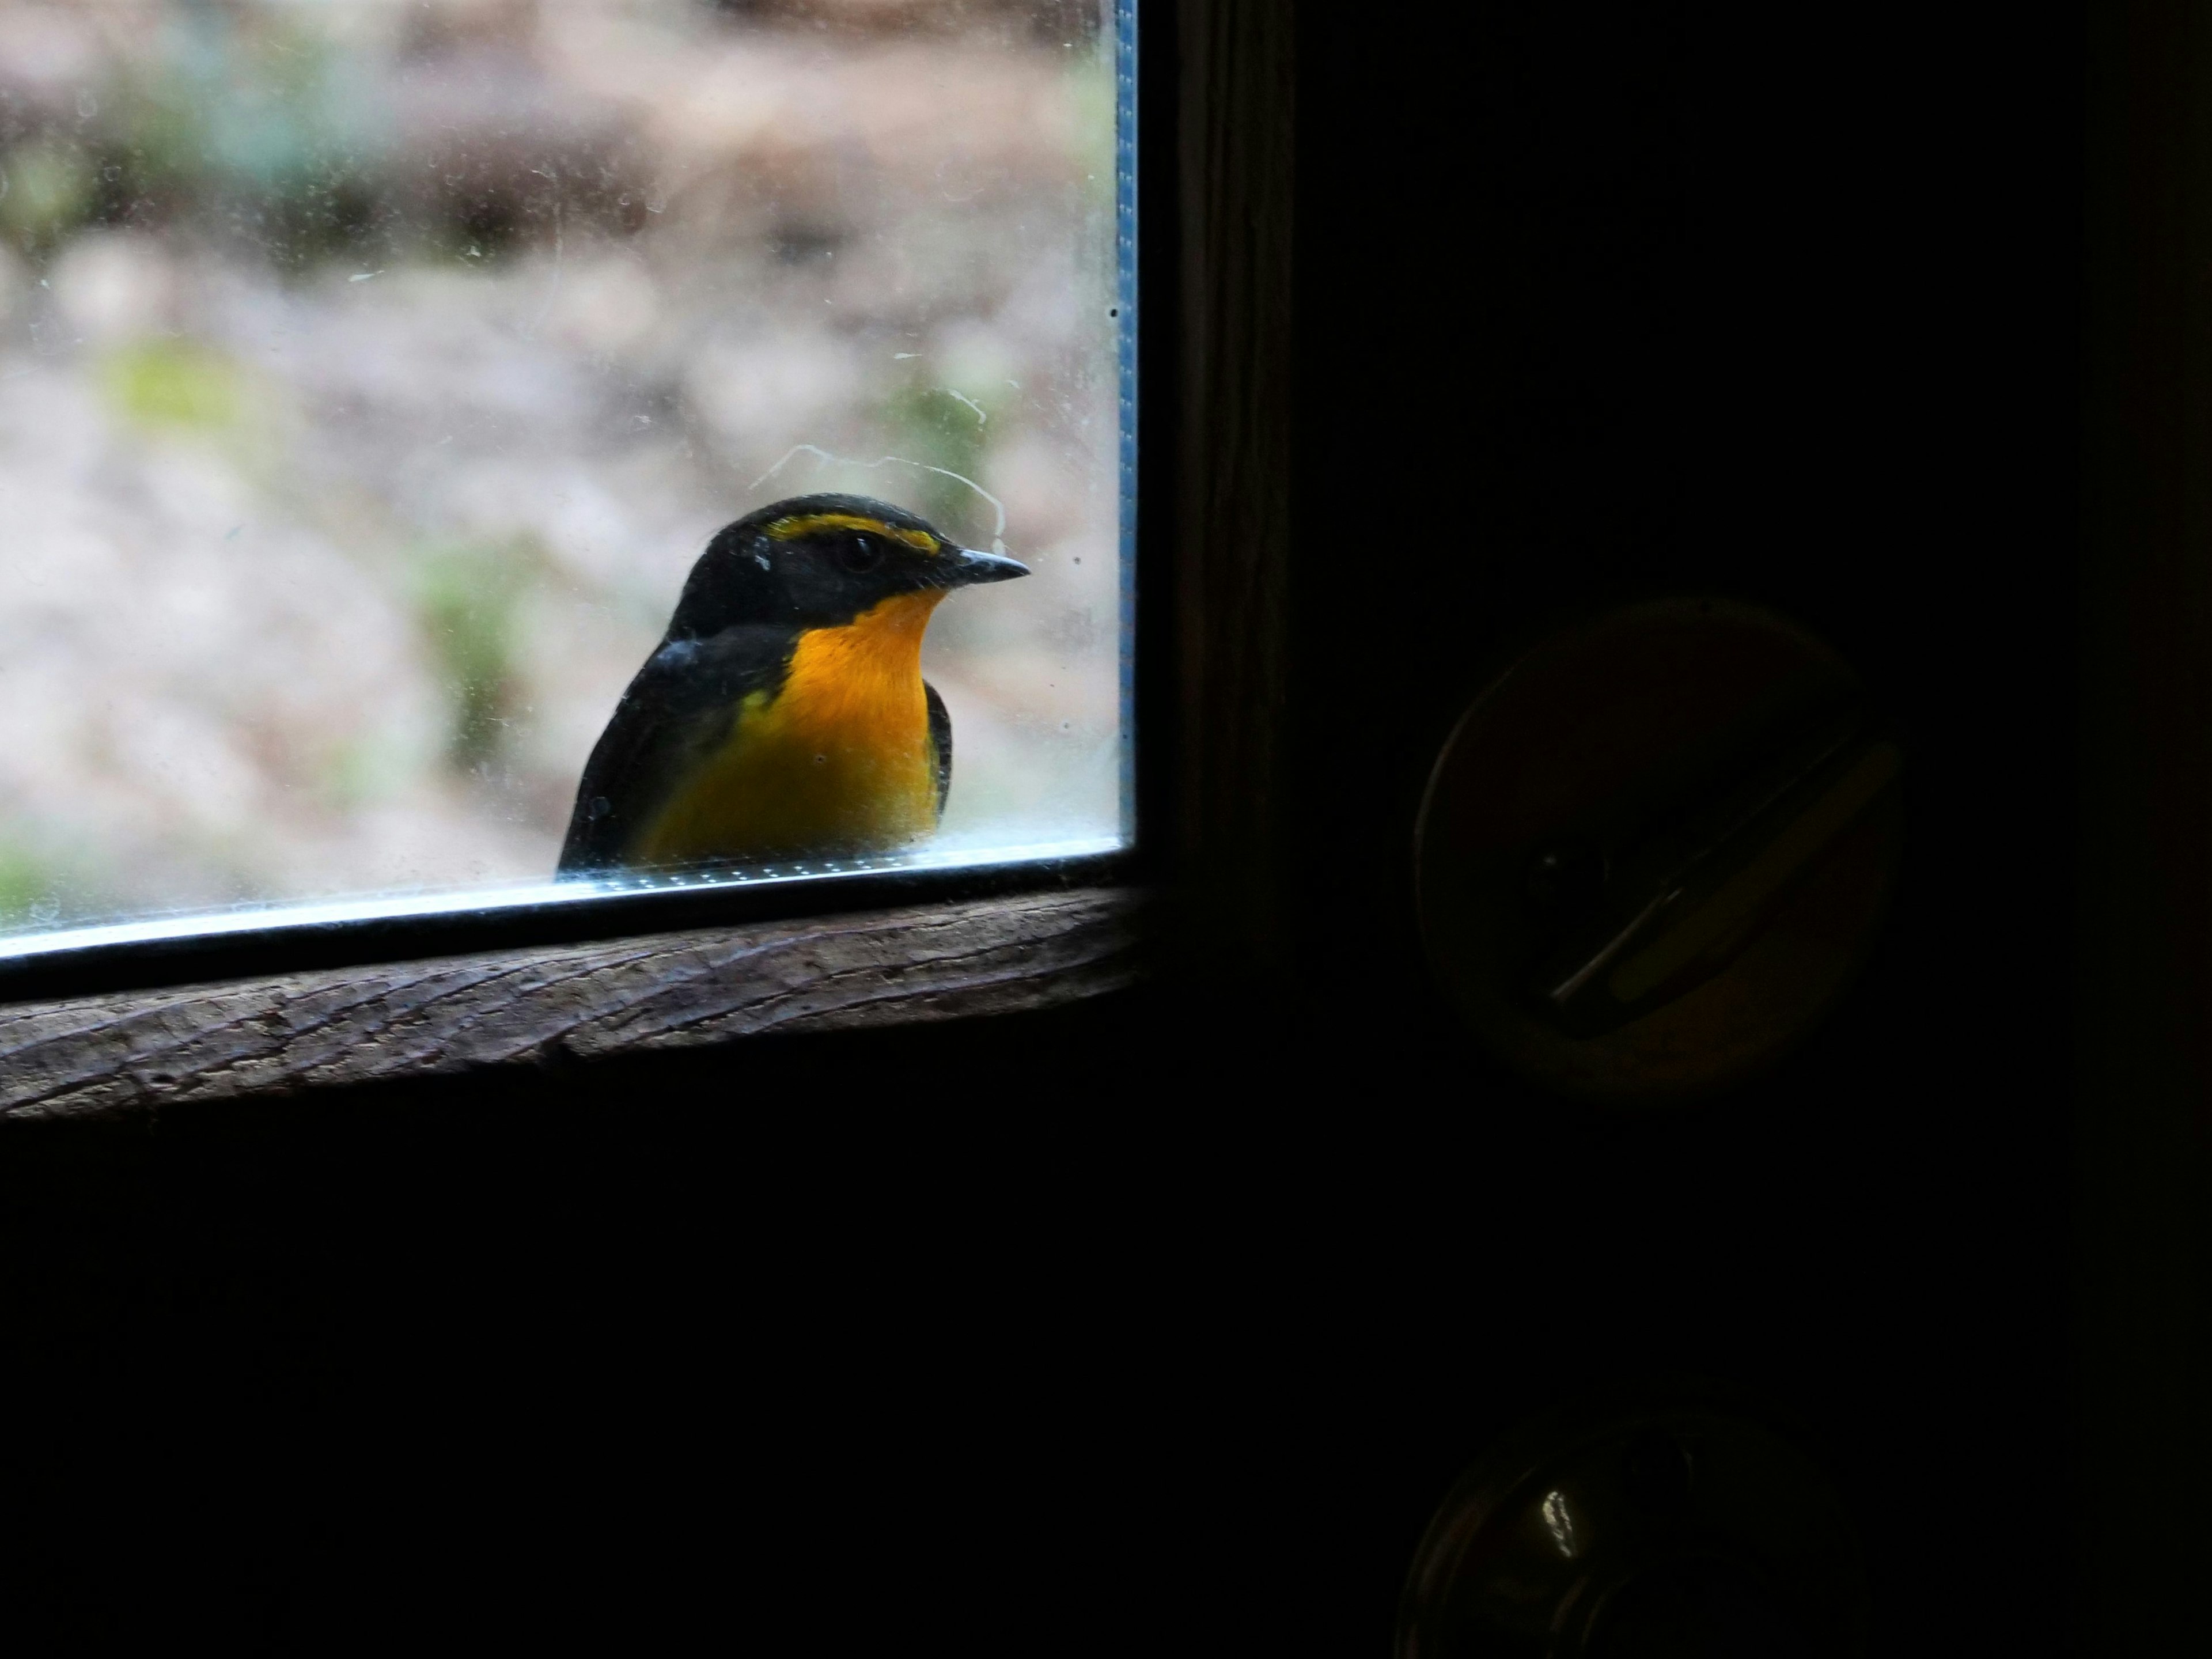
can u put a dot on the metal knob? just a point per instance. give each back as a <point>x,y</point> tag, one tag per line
<point>1668,1526</point>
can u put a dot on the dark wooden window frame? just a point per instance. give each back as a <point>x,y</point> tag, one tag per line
<point>131,1028</point>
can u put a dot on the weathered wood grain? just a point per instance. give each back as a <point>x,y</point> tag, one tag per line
<point>137,1050</point>
<point>1235,143</point>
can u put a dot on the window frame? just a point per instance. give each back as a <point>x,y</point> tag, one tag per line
<point>128,1025</point>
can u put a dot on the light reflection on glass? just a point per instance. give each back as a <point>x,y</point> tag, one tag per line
<point>1558,1518</point>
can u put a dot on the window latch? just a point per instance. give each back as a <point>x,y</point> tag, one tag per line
<point>1670,883</point>
<point>1656,847</point>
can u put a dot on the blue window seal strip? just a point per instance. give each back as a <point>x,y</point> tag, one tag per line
<point>1125,295</point>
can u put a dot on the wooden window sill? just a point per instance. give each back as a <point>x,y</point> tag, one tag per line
<point>134,1051</point>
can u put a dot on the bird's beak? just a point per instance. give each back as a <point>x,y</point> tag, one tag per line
<point>964,567</point>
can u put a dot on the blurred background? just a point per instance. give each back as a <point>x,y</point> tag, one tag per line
<point>371,375</point>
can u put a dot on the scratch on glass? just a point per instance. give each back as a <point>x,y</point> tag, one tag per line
<point>823,458</point>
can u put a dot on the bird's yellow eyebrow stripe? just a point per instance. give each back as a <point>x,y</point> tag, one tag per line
<point>784,529</point>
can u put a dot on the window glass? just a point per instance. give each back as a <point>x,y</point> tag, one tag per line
<point>372,374</point>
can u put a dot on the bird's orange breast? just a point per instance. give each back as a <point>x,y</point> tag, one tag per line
<point>837,761</point>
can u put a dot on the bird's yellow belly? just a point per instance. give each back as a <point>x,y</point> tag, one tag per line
<point>838,763</point>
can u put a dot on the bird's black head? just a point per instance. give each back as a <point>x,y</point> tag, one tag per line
<point>820,561</point>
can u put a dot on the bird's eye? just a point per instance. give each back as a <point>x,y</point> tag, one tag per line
<point>861,553</point>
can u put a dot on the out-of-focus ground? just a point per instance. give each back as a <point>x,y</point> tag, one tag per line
<point>371,374</point>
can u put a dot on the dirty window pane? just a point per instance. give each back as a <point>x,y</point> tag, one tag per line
<point>372,374</point>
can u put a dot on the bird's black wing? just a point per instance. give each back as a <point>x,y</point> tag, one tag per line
<point>940,742</point>
<point>677,711</point>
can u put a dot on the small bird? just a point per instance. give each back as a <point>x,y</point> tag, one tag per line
<point>784,715</point>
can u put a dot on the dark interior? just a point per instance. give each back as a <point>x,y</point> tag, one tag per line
<point>1163,1322</point>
